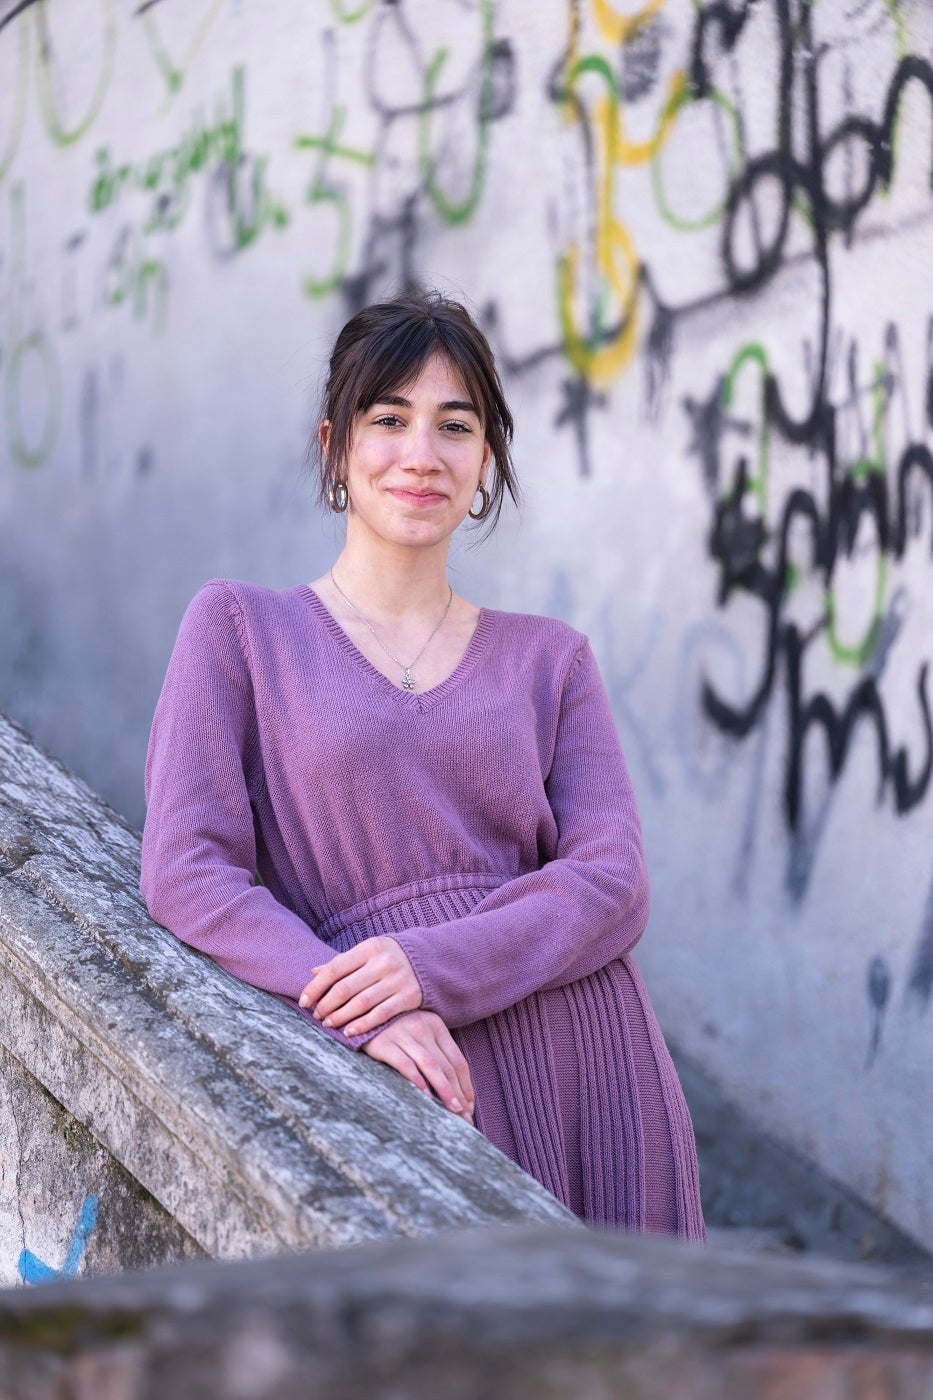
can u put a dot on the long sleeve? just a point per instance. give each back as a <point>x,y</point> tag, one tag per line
<point>199,842</point>
<point>581,910</point>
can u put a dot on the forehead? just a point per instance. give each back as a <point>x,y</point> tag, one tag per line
<point>439,381</point>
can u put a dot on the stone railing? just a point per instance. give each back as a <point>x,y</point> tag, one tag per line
<point>152,1108</point>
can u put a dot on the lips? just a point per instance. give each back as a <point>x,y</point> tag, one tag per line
<point>417,497</point>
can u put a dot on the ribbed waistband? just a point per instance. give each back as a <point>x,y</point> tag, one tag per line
<point>423,903</point>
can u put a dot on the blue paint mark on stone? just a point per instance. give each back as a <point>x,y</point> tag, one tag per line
<point>33,1270</point>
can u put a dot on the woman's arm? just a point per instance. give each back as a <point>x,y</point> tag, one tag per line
<point>579,912</point>
<point>199,843</point>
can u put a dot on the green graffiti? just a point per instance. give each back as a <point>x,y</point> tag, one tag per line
<point>167,175</point>
<point>683,98</point>
<point>33,346</point>
<point>169,171</point>
<point>37,344</point>
<point>856,654</point>
<point>173,74</point>
<point>593,63</point>
<point>893,8</point>
<point>321,192</point>
<point>580,347</point>
<point>351,16</point>
<point>65,136</point>
<point>152,275</point>
<point>50,77</point>
<point>452,212</point>
<point>142,281</point>
<point>754,355</point>
<point>265,210</point>
<point>18,109</point>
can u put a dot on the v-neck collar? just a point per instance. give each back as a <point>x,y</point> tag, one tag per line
<point>413,699</point>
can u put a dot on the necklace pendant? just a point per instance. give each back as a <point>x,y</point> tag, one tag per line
<point>408,681</point>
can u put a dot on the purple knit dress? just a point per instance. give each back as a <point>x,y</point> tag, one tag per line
<point>487,824</point>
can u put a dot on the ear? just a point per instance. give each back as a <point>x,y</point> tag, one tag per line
<point>323,435</point>
<point>487,454</point>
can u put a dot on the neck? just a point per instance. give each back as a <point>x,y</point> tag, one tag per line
<point>394,582</point>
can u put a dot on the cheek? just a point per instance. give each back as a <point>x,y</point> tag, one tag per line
<point>368,463</point>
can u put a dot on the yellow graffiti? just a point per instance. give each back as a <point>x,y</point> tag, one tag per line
<point>618,29</point>
<point>638,153</point>
<point>602,350</point>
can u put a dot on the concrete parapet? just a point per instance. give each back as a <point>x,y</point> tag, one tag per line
<point>471,1315</point>
<point>251,1130</point>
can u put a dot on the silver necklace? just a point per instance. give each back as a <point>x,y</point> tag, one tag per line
<point>408,680</point>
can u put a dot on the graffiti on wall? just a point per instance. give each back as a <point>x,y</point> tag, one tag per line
<point>721,177</point>
<point>35,1270</point>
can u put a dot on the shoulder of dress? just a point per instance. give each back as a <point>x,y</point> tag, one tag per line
<point>252,612</point>
<point>248,599</point>
<point>241,590</point>
<point>535,629</point>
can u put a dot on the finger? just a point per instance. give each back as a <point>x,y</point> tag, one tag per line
<point>325,976</point>
<point>392,1055</point>
<point>467,1092</point>
<point>459,1068</point>
<point>439,1074</point>
<point>354,984</point>
<point>373,999</point>
<point>321,979</point>
<point>392,1006</point>
<point>461,1087</point>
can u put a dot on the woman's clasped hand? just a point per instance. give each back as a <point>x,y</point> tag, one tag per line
<point>363,988</point>
<point>422,1049</point>
<point>367,986</point>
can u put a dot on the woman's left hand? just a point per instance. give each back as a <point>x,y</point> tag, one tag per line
<point>363,988</point>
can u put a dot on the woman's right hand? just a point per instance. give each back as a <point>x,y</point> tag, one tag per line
<point>422,1049</point>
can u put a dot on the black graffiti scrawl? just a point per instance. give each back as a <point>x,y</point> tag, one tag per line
<point>861,492</point>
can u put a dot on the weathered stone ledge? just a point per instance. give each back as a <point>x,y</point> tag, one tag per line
<point>472,1314</point>
<point>253,1131</point>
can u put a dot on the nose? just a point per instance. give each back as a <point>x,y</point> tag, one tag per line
<point>420,452</point>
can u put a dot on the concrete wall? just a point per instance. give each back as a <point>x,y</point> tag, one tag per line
<point>700,240</point>
<point>66,1204</point>
<point>511,1314</point>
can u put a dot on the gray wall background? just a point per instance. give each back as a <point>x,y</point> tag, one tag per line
<point>701,249</point>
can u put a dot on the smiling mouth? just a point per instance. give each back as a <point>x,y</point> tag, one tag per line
<point>416,495</point>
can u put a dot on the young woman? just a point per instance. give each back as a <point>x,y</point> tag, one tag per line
<point>450,868</point>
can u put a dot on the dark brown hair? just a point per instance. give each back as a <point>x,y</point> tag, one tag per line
<point>384,347</point>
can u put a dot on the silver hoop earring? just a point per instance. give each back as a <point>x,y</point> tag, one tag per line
<point>484,508</point>
<point>337,496</point>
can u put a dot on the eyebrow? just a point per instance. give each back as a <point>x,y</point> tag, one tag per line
<point>449,406</point>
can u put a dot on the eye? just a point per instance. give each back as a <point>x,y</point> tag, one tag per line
<point>387,420</point>
<point>457,428</point>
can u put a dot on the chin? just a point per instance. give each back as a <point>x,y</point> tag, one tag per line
<point>415,529</point>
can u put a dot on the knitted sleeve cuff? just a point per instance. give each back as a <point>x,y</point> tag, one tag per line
<point>411,946</point>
